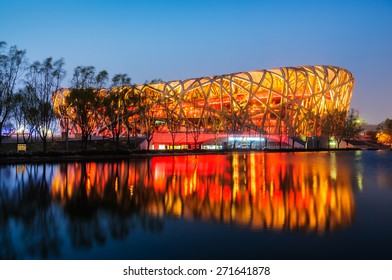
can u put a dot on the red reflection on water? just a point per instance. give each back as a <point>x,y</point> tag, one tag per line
<point>260,190</point>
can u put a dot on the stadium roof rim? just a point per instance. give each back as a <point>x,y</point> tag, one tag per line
<point>308,68</point>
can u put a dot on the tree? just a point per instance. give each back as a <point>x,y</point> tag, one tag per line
<point>42,80</point>
<point>238,115</point>
<point>384,133</point>
<point>173,117</point>
<point>100,85</point>
<point>121,80</point>
<point>83,77</point>
<point>313,127</point>
<point>84,99</point>
<point>218,121</point>
<point>197,114</point>
<point>333,125</point>
<point>352,126</point>
<point>131,108</point>
<point>18,116</point>
<point>83,103</point>
<point>102,79</point>
<point>148,98</point>
<point>115,105</point>
<point>113,112</point>
<point>281,126</point>
<point>11,69</point>
<point>21,114</point>
<point>173,123</point>
<point>292,122</point>
<point>61,110</point>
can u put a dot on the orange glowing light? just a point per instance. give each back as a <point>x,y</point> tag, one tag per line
<point>273,101</point>
<point>301,196</point>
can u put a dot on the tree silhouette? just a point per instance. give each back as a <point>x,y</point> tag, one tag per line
<point>384,132</point>
<point>42,80</point>
<point>11,69</point>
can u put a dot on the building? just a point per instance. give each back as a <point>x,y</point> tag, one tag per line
<point>244,109</point>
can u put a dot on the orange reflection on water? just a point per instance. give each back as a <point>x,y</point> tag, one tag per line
<point>283,191</point>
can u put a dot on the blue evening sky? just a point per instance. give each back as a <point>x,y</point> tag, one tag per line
<point>174,40</point>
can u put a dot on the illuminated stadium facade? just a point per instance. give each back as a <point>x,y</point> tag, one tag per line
<point>244,108</point>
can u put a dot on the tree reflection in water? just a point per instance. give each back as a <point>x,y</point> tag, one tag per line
<point>98,201</point>
<point>27,205</point>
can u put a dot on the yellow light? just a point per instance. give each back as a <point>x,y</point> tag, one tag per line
<point>131,190</point>
<point>314,89</point>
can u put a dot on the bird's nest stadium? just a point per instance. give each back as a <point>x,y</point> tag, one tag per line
<point>234,110</point>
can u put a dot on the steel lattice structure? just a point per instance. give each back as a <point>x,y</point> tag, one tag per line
<point>287,100</point>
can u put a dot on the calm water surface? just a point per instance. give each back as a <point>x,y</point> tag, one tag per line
<point>325,205</point>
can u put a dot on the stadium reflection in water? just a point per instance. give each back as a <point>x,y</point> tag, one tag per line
<point>322,205</point>
<point>262,191</point>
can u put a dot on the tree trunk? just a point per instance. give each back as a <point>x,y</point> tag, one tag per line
<point>148,144</point>
<point>280,142</point>
<point>66,141</point>
<point>44,143</point>
<point>66,137</point>
<point>84,141</point>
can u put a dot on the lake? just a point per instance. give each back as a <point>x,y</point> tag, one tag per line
<point>251,205</point>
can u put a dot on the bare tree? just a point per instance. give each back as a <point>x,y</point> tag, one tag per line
<point>20,115</point>
<point>42,80</point>
<point>11,69</point>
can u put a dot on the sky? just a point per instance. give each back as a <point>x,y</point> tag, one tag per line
<point>176,40</point>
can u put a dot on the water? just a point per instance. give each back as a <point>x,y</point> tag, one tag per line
<point>324,205</point>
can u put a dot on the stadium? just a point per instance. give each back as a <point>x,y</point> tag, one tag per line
<point>241,110</point>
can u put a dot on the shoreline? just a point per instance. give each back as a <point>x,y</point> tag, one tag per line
<point>59,157</point>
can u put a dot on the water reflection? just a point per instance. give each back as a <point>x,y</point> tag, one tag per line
<point>258,190</point>
<point>26,206</point>
<point>85,204</point>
